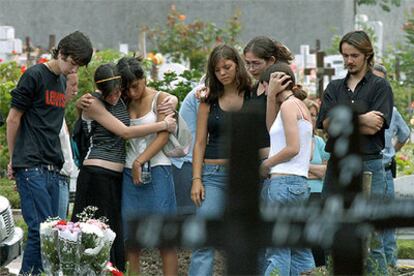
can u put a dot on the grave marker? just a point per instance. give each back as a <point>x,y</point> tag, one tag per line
<point>341,224</point>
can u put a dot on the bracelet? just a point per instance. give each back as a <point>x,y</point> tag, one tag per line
<point>195,178</point>
<point>139,162</point>
<point>166,124</point>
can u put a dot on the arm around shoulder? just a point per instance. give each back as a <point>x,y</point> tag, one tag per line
<point>98,112</point>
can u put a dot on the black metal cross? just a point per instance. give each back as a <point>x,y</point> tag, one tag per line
<point>321,70</point>
<point>340,224</point>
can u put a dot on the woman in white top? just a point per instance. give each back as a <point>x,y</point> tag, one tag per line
<point>290,130</point>
<point>148,186</point>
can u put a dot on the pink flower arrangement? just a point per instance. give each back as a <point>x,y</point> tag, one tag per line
<point>80,248</point>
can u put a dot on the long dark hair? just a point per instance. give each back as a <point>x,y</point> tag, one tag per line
<point>243,80</point>
<point>360,40</point>
<point>107,78</point>
<point>266,48</point>
<point>130,70</point>
<point>284,68</point>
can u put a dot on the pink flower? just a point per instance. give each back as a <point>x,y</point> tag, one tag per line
<point>113,270</point>
<point>403,157</point>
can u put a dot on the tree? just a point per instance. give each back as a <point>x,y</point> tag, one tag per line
<point>384,4</point>
<point>192,41</point>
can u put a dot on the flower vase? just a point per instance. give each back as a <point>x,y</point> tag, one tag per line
<point>50,257</point>
<point>69,254</point>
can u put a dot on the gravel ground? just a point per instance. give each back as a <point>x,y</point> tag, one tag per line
<point>151,262</point>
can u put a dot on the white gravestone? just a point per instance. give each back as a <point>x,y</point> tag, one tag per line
<point>404,189</point>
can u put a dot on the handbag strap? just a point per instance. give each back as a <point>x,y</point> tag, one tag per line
<point>154,108</point>
<point>154,102</point>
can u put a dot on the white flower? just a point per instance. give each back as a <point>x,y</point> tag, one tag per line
<point>109,236</point>
<point>46,228</point>
<point>91,229</point>
<point>68,235</point>
<point>95,251</point>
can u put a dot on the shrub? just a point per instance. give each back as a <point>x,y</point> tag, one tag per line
<point>405,159</point>
<point>8,190</point>
<point>405,249</point>
<point>193,41</point>
<point>178,85</point>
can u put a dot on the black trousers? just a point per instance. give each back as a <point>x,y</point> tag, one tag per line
<point>102,188</point>
<point>317,252</point>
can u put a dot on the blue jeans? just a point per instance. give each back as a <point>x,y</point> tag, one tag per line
<point>182,183</point>
<point>376,259</point>
<point>156,197</point>
<point>287,261</point>
<point>215,185</point>
<point>39,199</point>
<point>63,196</point>
<point>389,240</point>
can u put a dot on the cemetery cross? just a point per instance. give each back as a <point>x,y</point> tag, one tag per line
<point>321,71</point>
<point>341,223</point>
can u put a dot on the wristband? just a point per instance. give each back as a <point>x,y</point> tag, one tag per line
<point>139,162</point>
<point>195,178</point>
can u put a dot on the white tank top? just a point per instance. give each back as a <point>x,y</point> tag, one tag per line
<point>136,146</point>
<point>299,164</point>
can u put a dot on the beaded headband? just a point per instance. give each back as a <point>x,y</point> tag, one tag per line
<point>108,79</point>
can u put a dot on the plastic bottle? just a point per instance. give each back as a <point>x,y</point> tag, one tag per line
<point>146,173</point>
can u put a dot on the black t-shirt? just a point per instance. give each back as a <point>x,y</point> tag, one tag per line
<point>40,94</point>
<point>259,104</point>
<point>371,93</point>
<point>218,134</point>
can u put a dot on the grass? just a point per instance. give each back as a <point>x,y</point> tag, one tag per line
<point>19,222</point>
<point>405,249</point>
<point>8,190</point>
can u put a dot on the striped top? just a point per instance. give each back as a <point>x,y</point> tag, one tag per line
<point>104,144</point>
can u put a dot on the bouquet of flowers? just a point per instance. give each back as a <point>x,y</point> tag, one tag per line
<point>80,248</point>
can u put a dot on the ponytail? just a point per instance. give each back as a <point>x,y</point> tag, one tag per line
<point>299,92</point>
<point>266,48</point>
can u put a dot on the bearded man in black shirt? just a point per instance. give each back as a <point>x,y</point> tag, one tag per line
<point>372,97</point>
<point>33,125</point>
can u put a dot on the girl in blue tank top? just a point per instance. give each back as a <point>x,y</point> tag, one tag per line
<point>228,83</point>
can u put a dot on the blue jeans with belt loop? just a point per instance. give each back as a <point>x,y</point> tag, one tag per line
<point>287,261</point>
<point>377,262</point>
<point>64,182</point>
<point>39,199</point>
<point>215,184</point>
<point>388,238</point>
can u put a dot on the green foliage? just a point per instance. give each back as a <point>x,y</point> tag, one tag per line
<point>405,52</point>
<point>19,222</point>
<point>400,66</point>
<point>336,39</point>
<point>404,158</point>
<point>8,190</point>
<point>193,41</point>
<point>9,75</point>
<point>178,85</point>
<point>384,4</point>
<point>405,249</point>
<point>334,47</point>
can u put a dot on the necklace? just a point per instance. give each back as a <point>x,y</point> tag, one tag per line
<point>49,66</point>
<point>287,97</point>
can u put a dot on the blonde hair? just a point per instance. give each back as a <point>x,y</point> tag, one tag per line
<point>310,103</point>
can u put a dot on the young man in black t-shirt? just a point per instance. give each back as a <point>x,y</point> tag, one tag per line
<point>372,97</point>
<point>33,125</point>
